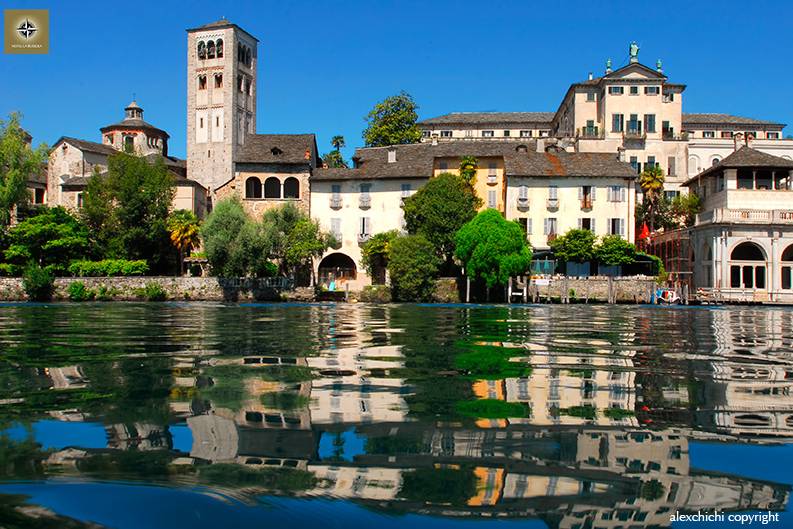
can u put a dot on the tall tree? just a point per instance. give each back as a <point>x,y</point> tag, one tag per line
<point>413,267</point>
<point>492,248</point>
<point>338,142</point>
<point>468,167</point>
<point>18,164</point>
<point>576,245</point>
<point>334,158</point>
<point>392,122</point>
<point>651,182</point>
<point>235,245</point>
<point>127,207</point>
<point>438,209</point>
<point>183,230</point>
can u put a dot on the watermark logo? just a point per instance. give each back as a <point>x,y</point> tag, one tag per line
<point>26,31</point>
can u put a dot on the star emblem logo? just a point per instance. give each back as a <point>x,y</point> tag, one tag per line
<point>26,29</point>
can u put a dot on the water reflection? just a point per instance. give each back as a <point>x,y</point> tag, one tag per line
<point>576,416</point>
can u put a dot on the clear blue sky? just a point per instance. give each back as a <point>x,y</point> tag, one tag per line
<point>324,64</point>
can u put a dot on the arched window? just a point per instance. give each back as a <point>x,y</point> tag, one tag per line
<point>715,161</point>
<point>202,82</point>
<point>787,268</point>
<point>253,188</point>
<point>272,188</point>
<point>248,56</point>
<point>210,50</point>
<point>747,266</point>
<point>202,50</point>
<point>129,143</point>
<point>219,48</point>
<point>693,165</point>
<point>291,188</point>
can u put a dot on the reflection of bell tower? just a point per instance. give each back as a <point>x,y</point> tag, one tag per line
<point>221,99</point>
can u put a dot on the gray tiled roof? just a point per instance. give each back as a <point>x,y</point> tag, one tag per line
<point>88,146</point>
<point>490,118</point>
<point>746,157</point>
<point>133,123</point>
<point>690,119</point>
<point>278,148</point>
<point>417,161</point>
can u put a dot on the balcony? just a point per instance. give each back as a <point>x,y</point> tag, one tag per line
<point>363,237</point>
<point>523,203</point>
<point>335,202</point>
<point>670,135</point>
<point>634,131</point>
<point>365,202</point>
<point>586,203</point>
<point>492,179</point>
<point>553,203</point>
<point>745,216</point>
<point>590,133</point>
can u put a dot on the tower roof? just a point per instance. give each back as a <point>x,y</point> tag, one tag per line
<point>133,119</point>
<point>220,24</point>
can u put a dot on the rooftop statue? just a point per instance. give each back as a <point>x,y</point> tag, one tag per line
<point>633,49</point>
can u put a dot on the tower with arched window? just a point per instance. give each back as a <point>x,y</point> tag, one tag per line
<point>221,99</point>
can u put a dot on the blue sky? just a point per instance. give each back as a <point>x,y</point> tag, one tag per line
<point>324,64</point>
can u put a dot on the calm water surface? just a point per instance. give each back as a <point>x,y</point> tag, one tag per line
<point>211,416</point>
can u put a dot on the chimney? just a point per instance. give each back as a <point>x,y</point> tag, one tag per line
<point>391,155</point>
<point>621,154</point>
<point>590,76</point>
<point>435,138</point>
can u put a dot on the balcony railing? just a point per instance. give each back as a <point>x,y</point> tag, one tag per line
<point>745,216</point>
<point>523,203</point>
<point>492,179</point>
<point>634,131</point>
<point>553,203</point>
<point>337,235</point>
<point>586,203</point>
<point>335,202</point>
<point>363,237</point>
<point>670,134</point>
<point>590,133</point>
<point>365,202</point>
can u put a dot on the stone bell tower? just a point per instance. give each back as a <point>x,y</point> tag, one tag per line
<point>221,99</point>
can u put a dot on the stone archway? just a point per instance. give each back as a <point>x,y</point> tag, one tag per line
<point>748,266</point>
<point>335,270</point>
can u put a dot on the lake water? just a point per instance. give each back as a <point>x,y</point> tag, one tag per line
<point>212,416</point>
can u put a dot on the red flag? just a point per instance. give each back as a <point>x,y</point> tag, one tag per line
<point>645,233</point>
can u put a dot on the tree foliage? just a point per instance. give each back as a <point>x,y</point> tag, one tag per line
<point>468,167</point>
<point>614,250</point>
<point>492,248</point>
<point>126,209</point>
<point>51,238</point>
<point>392,122</point>
<point>18,164</point>
<point>183,230</point>
<point>375,251</point>
<point>413,267</point>
<point>439,209</point>
<point>574,246</point>
<point>651,182</point>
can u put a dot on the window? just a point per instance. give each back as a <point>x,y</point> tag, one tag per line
<point>715,161</point>
<point>671,165</point>
<point>550,226</point>
<point>525,134</point>
<point>129,141</point>
<point>405,190</point>
<point>425,134</point>
<point>442,165</point>
<point>491,172</point>
<point>749,271</point>
<point>219,48</point>
<point>752,133</point>
<point>210,50</point>
<point>651,162</point>
<point>616,194</point>
<point>446,134</point>
<point>249,87</point>
<point>335,189</point>
<point>272,188</point>
<point>291,187</point>
<point>617,227</point>
<point>523,193</point>
<point>469,133</point>
<point>506,134</point>
<point>79,200</point>
<point>253,188</point>
<point>202,50</point>
<point>487,133</point>
<point>590,96</point>
<point>651,90</point>
<point>617,122</point>
<point>240,83</point>
<point>202,82</point>
<point>634,90</point>
<point>553,192</point>
<point>669,97</point>
<point>787,268</point>
<point>772,135</point>
<point>708,134</point>
<point>649,122</point>
<point>491,198</point>
<point>218,80</point>
<point>586,223</point>
<point>670,195</point>
<point>726,134</point>
<point>217,121</point>
<point>616,90</point>
<point>586,194</point>
<point>391,155</point>
<point>524,223</point>
<point>366,226</point>
<point>635,164</point>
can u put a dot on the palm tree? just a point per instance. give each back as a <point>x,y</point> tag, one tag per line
<point>338,142</point>
<point>468,166</point>
<point>183,230</point>
<point>651,182</point>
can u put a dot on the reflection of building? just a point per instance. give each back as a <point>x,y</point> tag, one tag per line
<point>67,377</point>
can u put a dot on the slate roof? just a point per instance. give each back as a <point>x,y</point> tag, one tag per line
<point>278,148</point>
<point>724,119</point>
<point>417,161</point>
<point>489,118</point>
<point>82,181</point>
<point>85,145</point>
<point>746,157</point>
<point>133,123</point>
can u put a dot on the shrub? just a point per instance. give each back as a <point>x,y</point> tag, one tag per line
<point>152,292</point>
<point>413,266</point>
<point>575,245</point>
<point>613,250</point>
<point>79,292</point>
<point>491,409</point>
<point>376,294</point>
<point>9,270</point>
<point>106,294</point>
<point>108,268</point>
<point>38,283</point>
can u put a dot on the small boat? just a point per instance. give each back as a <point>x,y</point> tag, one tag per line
<point>667,296</point>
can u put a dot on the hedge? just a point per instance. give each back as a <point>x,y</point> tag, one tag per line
<point>108,267</point>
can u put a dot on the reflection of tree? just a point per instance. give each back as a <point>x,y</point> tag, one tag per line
<point>20,459</point>
<point>439,486</point>
<point>277,479</point>
<point>17,513</point>
<point>652,490</point>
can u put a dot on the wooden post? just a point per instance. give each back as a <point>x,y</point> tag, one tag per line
<point>509,291</point>
<point>467,289</point>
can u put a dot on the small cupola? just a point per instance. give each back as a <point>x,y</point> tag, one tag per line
<point>133,111</point>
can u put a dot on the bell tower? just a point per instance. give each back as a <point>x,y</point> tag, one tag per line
<point>221,99</point>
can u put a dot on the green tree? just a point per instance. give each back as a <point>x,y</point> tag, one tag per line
<point>18,164</point>
<point>439,209</point>
<point>413,267</point>
<point>492,248</point>
<point>468,167</point>
<point>613,250</point>
<point>375,252</point>
<point>338,142</point>
<point>334,158</point>
<point>684,209</point>
<point>575,245</point>
<point>184,232</point>
<point>305,242</point>
<point>651,182</point>
<point>52,239</point>
<point>235,245</point>
<point>392,122</point>
<point>127,208</point>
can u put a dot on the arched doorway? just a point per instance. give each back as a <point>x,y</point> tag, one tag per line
<point>335,270</point>
<point>747,266</point>
<point>787,268</point>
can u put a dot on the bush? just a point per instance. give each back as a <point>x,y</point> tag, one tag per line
<point>492,409</point>
<point>9,270</point>
<point>376,294</point>
<point>576,245</point>
<point>613,250</point>
<point>79,292</point>
<point>108,268</point>
<point>38,283</point>
<point>151,292</point>
<point>413,266</point>
<point>106,294</point>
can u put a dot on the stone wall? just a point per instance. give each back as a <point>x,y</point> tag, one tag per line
<point>594,289</point>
